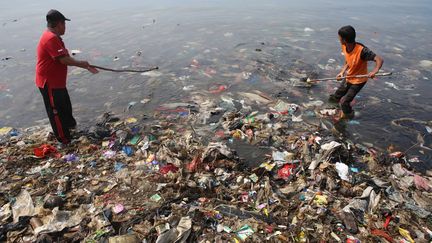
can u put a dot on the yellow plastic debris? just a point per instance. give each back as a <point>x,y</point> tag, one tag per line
<point>320,200</point>
<point>237,134</point>
<point>405,233</point>
<point>5,130</point>
<point>131,120</point>
<point>302,237</point>
<point>268,166</point>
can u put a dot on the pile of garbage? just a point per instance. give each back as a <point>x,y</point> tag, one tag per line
<point>178,178</point>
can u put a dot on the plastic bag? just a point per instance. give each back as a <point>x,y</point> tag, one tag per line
<point>343,171</point>
<point>168,168</point>
<point>23,206</point>
<point>286,171</point>
<point>44,150</point>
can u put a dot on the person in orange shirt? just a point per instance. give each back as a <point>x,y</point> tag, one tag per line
<point>356,59</point>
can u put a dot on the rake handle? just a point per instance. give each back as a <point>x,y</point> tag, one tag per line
<point>353,76</point>
<point>125,70</point>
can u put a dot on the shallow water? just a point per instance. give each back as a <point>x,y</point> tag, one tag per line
<point>244,45</point>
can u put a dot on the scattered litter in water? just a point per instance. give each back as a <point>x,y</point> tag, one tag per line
<point>145,101</point>
<point>427,64</point>
<point>152,74</point>
<point>74,52</point>
<point>353,122</point>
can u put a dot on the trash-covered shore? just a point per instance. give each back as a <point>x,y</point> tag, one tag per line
<point>182,176</point>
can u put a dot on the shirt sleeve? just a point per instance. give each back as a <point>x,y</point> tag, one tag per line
<point>55,48</point>
<point>367,54</point>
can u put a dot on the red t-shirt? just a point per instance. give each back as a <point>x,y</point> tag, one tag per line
<point>49,70</point>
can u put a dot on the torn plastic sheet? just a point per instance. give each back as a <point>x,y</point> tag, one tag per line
<point>60,220</point>
<point>184,229</point>
<point>421,183</point>
<point>331,145</point>
<point>168,236</point>
<point>5,212</point>
<point>280,156</point>
<point>214,150</point>
<point>23,206</point>
<point>420,212</point>
<point>285,108</point>
<point>129,238</point>
<point>343,171</point>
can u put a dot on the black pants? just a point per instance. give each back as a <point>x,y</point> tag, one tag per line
<point>349,91</point>
<point>59,110</point>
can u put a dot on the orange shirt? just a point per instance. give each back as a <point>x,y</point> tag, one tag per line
<point>356,65</point>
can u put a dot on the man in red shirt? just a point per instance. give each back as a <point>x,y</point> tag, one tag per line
<point>51,71</point>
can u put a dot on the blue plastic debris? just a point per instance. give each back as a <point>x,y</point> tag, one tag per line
<point>118,166</point>
<point>128,150</point>
<point>354,122</point>
<point>93,164</point>
<point>71,158</point>
<point>13,133</point>
<point>355,170</point>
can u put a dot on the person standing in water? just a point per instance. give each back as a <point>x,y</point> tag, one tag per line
<point>356,60</point>
<point>51,72</point>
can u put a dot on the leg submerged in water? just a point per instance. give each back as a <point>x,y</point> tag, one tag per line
<point>349,97</point>
<point>340,92</point>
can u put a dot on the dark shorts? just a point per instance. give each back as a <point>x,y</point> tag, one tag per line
<point>348,91</point>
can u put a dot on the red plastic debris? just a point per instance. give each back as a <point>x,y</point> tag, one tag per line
<point>396,154</point>
<point>244,197</point>
<point>45,150</point>
<point>220,133</point>
<point>383,234</point>
<point>168,168</point>
<point>192,166</point>
<point>218,89</point>
<point>351,239</point>
<point>387,221</point>
<point>286,171</point>
<point>269,229</point>
<point>203,200</point>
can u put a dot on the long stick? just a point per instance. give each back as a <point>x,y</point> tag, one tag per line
<point>125,70</point>
<point>353,76</point>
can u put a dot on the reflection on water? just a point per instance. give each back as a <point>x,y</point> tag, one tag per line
<point>201,46</point>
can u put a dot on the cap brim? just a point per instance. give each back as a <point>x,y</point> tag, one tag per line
<point>67,19</point>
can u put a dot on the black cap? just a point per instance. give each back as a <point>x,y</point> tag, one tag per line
<point>54,16</point>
